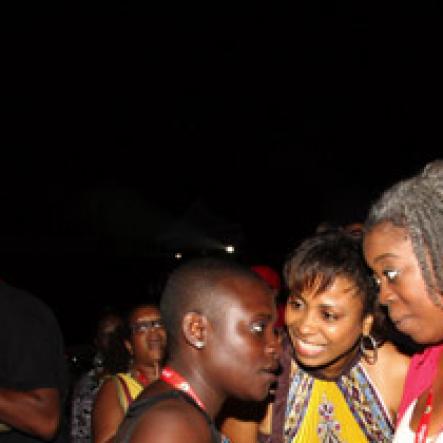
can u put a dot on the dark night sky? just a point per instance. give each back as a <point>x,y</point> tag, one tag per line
<point>276,122</point>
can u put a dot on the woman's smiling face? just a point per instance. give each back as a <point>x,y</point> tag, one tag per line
<point>325,327</point>
<point>148,338</point>
<point>389,252</point>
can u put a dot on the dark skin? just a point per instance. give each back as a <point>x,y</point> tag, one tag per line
<point>169,421</point>
<point>389,252</point>
<point>238,343</point>
<point>324,328</point>
<point>147,348</point>
<point>35,412</point>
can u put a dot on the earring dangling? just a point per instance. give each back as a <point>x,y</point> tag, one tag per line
<point>370,353</point>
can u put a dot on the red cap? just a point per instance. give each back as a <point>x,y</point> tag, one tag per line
<point>268,275</point>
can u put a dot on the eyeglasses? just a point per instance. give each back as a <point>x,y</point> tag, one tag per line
<point>144,326</point>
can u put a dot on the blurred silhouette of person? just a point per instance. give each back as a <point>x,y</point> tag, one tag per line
<point>33,370</point>
<point>107,360</point>
<point>144,338</point>
<point>221,343</point>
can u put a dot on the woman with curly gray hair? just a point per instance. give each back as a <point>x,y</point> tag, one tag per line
<point>403,244</point>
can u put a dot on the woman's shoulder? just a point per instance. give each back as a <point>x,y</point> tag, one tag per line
<point>172,420</point>
<point>107,390</point>
<point>389,356</point>
<point>388,374</point>
<point>391,366</point>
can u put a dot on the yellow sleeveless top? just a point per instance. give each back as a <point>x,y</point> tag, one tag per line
<point>128,388</point>
<point>348,410</point>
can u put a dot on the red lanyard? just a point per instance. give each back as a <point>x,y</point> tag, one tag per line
<point>423,426</point>
<point>174,379</point>
<point>141,378</point>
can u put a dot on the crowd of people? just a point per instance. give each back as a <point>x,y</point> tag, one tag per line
<point>352,354</point>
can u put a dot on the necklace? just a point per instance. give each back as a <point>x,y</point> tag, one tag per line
<point>173,378</point>
<point>423,426</point>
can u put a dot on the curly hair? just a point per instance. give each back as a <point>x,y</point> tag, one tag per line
<point>416,204</point>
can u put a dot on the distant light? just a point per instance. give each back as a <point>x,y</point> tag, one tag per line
<point>178,255</point>
<point>230,249</point>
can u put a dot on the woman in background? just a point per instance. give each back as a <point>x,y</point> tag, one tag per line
<point>108,359</point>
<point>145,342</point>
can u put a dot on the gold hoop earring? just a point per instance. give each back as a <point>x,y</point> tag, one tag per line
<point>370,353</point>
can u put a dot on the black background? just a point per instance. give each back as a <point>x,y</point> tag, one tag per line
<point>116,119</point>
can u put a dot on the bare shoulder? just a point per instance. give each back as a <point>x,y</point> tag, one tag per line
<point>107,385</point>
<point>390,358</point>
<point>388,375</point>
<point>106,393</point>
<point>391,366</point>
<point>171,421</point>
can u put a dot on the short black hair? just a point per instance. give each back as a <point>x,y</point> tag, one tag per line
<point>320,259</point>
<point>190,287</point>
<point>126,327</point>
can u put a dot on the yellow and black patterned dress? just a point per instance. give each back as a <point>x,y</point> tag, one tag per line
<point>346,410</point>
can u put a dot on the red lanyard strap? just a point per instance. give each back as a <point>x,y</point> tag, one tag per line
<point>174,379</point>
<point>423,426</point>
<point>141,378</point>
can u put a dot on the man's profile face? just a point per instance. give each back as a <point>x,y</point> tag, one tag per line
<point>242,340</point>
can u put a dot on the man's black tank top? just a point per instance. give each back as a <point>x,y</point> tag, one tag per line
<point>140,406</point>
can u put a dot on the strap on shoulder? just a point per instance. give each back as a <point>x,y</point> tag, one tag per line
<point>138,407</point>
<point>124,394</point>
